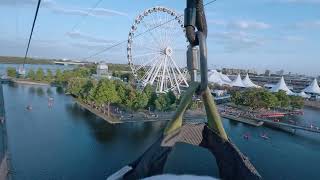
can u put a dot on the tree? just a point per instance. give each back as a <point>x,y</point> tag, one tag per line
<point>59,77</point>
<point>49,76</point>
<point>236,98</point>
<point>152,100</point>
<point>106,93</point>
<point>39,76</point>
<point>31,74</point>
<point>162,102</point>
<point>87,90</point>
<point>171,97</point>
<point>121,89</point>
<point>148,90</point>
<point>268,99</point>
<point>130,97</point>
<point>296,102</point>
<point>283,98</point>
<point>75,85</point>
<point>140,101</point>
<point>11,72</point>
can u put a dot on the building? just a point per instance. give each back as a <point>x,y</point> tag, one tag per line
<point>267,73</point>
<point>231,71</point>
<point>280,73</point>
<point>102,70</point>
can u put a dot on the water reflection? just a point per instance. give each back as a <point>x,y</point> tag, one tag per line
<point>40,91</point>
<point>105,132</point>
<point>59,90</point>
<point>49,91</point>
<point>32,90</point>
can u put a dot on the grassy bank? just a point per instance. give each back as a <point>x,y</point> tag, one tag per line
<point>20,60</point>
<point>30,82</point>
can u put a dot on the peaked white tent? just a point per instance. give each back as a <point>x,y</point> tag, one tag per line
<point>237,82</point>
<point>248,83</point>
<point>218,78</point>
<point>303,94</point>
<point>225,78</point>
<point>313,88</point>
<point>281,85</point>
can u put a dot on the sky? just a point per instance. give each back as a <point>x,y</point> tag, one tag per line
<point>250,34</point>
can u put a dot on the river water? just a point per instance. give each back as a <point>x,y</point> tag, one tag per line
<point>67,142</point>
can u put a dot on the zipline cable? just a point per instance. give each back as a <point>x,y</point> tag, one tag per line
<point>124,41</point>
<point>30,37</point>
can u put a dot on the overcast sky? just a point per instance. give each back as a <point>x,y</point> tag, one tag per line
<point>255,34</point>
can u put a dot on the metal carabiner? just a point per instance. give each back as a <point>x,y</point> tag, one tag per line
<point>195,19</point>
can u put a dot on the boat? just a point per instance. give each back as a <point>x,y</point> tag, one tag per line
<point>29,107</point>
<point>246,136</point>
<point>264,136</point>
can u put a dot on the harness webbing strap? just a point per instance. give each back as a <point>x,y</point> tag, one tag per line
<point>232,163</point>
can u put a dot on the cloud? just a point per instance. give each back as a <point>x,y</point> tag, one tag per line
<point>44,3</point>
<point>254,25</point>
<point>89,46</point>
<point>293,38</point>
<point>297,1</point>
<point>59,9</point>
<point>241,24</point>
<point>82,36</point>
<point>308,24</point>
<point>98,12</point>
<point>237,40</point>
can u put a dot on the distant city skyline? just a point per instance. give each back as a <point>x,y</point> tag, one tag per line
<point>248,34</point>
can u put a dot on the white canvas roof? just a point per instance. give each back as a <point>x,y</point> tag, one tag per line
<point>225,77</point>
<point>214,77</point>
<point>237,82</point>
<point>248,83</point>
<point>313,87</point>
<point>281,85</point>
<point>303,94</point>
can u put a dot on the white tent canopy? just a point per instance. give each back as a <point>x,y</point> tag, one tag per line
<point>281,85</point>
<point>303,94</point>
<point>248,83</point>
<point>218,78</point>
<point>313,87</point>
<point>237,82</point>
<point>225,77</point>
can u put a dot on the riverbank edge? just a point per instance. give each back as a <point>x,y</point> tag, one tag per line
<point>28,82</point>
<point>312,104</point>
<point>111,120</point>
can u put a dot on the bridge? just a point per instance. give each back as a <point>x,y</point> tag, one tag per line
<point>66,63</point>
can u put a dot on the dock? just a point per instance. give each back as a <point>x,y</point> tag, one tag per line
<point>300,127</point>
<point>248,121</point>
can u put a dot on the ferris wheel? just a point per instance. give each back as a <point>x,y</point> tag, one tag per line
<point>156,50</point>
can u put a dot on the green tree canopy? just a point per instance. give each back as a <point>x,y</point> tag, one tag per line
<point>59,76</point>
<point>106,93</point>
<point>31,74</point>
<point>11,72</point>
<point>39,76</point>
<point>88,89</point>
<point>49,76</point>
<point>140,101</point>
<point>296,102</point>
<point>283,98</point>
<point>75,86</point>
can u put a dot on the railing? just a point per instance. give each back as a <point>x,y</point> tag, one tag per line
<point>4,160</point>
